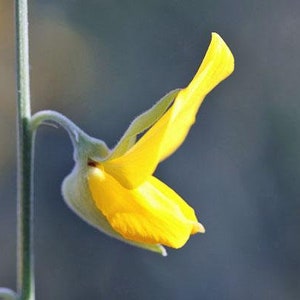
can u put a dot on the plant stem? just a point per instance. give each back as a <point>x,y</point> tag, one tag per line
<point>79,138</point>
<point>25,272</point>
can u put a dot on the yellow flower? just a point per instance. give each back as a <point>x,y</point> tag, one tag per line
<point>116,191</point>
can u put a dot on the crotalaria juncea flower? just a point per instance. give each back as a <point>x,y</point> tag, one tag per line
<point>115,190</point>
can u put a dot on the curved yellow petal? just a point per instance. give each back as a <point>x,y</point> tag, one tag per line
<point>151,213</point>
<point>169,132</point>
<point>217,64</point>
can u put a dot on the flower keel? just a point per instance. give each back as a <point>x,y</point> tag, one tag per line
<point>151,213</point>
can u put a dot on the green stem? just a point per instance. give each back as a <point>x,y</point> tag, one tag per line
<point>25,270</point>
<point>52,116</point>
<point>79,138</point>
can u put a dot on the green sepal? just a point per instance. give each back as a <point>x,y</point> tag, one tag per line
<point>142,123</point>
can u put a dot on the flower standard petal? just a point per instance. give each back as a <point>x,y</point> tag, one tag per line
<point>217,65</point>
<point>169,132</point>
<point>145,214</point>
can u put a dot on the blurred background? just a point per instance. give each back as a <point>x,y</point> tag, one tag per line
<point>101,63</point>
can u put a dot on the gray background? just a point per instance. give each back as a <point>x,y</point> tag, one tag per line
<point>103,62</point>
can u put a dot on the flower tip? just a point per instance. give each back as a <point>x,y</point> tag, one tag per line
<point>198,228</point>
<point>216,39</point>
<point>163,252</point>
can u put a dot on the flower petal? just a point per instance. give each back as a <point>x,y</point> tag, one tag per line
<point>217,64</point>
<point>137,165</point>
<point>188,211</point>
<point>146,214</point>
<point>169,132</point>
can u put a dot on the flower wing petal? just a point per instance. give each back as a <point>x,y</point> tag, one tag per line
<point>145,214</point>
